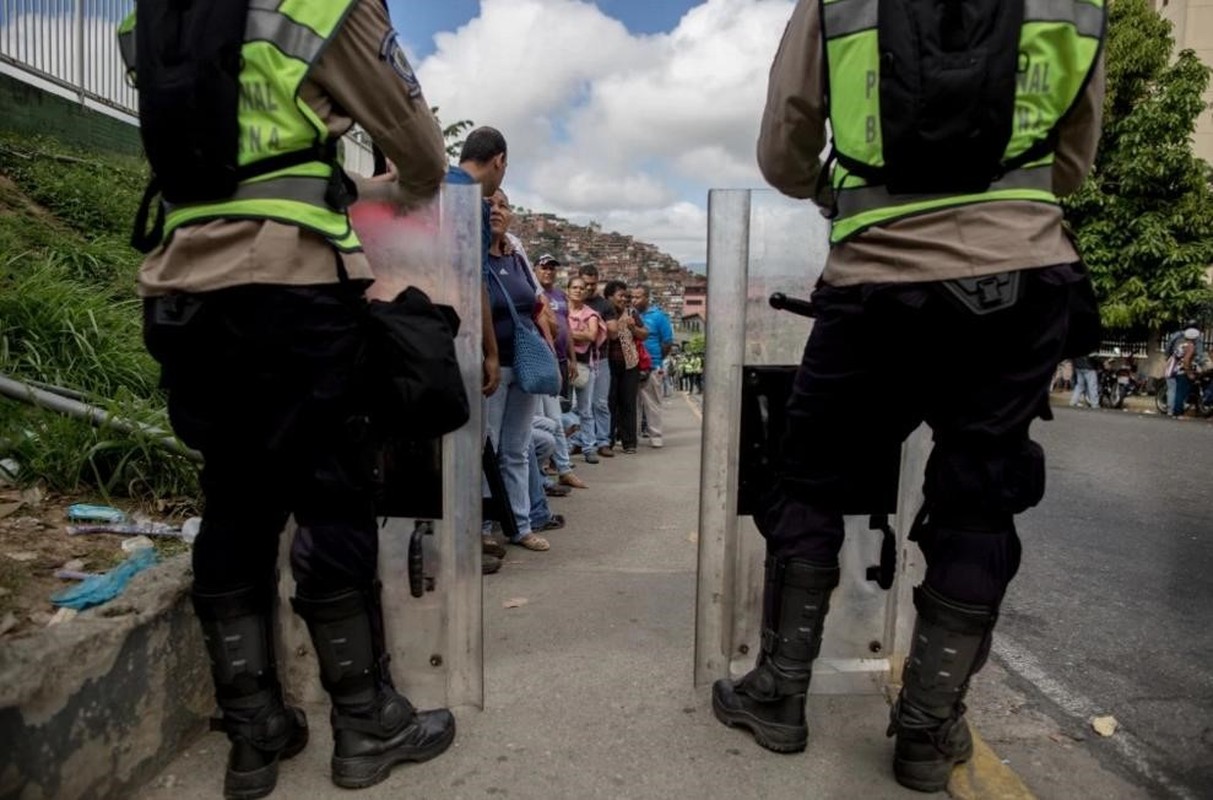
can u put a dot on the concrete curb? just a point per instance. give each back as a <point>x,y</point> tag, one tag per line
<point>986,777</point>
<point>95,707</point>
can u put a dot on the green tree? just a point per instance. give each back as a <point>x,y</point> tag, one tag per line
<point>1144,217</point>
<point>453,134</point>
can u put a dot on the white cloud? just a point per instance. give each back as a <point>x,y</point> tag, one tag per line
<point>629,130</point>
<point>584,185</point>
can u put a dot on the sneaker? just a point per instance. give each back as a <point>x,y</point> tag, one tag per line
<point>554,523</point>
<point>492,547</point>
<point>606,452</point>
<point>489,564</point>
<point>533,542</point>
<point>629,451</point>
<point>656,442</point>
<point>591,457</point>
<point>557,491</point>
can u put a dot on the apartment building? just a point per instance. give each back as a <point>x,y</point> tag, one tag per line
<point>1193,28</point>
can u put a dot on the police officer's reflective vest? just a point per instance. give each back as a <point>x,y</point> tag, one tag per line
<point>1059,44</point>
<point>281,43</point>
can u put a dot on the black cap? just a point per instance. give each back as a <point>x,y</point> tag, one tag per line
<point>547,258</point>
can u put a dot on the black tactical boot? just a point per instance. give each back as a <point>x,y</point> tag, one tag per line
<point>950,644</point>
<point>769,700</point>
<point>374,727</point>
<point>237,628</point>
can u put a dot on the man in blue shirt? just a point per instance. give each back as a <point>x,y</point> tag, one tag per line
<point>659,342</point>
<point>483,160</point>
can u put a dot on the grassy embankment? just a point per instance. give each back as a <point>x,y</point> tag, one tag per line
<point>69,318</point>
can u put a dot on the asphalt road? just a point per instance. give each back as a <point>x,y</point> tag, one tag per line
<point>1112,612</point>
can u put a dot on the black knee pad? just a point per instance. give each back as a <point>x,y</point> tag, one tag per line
<point>1003,479</point>
<point>973,565</point>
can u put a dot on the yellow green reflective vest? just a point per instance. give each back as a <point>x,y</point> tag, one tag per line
<point>282,40</point>
<point>1059,45</point>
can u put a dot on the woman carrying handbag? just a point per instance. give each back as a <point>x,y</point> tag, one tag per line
<point>508,411</point>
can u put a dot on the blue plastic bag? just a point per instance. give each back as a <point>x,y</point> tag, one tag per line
<point>100,589</point>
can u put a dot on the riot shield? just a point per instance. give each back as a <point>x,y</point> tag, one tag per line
<point>762,244</point>
<point>429,550</point>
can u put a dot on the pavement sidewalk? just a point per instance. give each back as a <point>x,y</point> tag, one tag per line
<point>588,685</point>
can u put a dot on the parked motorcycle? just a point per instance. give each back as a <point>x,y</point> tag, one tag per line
<point>1195,401</point>
<point>1118,380</point>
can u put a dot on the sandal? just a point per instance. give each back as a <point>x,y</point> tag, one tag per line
<point>533,542</point>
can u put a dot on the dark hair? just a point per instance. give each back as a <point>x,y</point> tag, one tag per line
<point>613,287</point>
<point>482,145</point>
<point>588,269</point>
<point>644,288</point>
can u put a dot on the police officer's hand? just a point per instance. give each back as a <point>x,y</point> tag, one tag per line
<point>378,190</point>
<point>491,378</point>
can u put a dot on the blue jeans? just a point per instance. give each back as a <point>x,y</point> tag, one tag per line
<point>551,410</point>
<point>543,439</point>
<point>1183,385</point>
<point>583,403</point>
<point>508,413</point>
<point>602,404</point>
<point>540,512</point>
<point>1086,381</point>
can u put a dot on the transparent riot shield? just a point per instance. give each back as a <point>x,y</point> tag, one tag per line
<point>761,244</point>
<point>429,563</point>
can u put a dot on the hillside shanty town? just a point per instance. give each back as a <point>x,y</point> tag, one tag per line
<point>681,292</point>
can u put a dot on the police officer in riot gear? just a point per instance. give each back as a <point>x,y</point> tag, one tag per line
<point>955,126</point>
<point>253,287</point>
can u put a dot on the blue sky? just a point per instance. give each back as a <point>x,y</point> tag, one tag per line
<point>623,112</point>
<point>419,20</point>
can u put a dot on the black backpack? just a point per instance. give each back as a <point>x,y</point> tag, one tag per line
<point>187,72</point>
<point>947,95</point>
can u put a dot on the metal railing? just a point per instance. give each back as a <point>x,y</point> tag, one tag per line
<point>72,45</point>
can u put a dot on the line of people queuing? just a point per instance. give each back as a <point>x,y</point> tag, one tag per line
<point>611,346</point>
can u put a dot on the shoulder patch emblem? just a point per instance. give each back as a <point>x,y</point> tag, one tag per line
<point>391,52</point>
